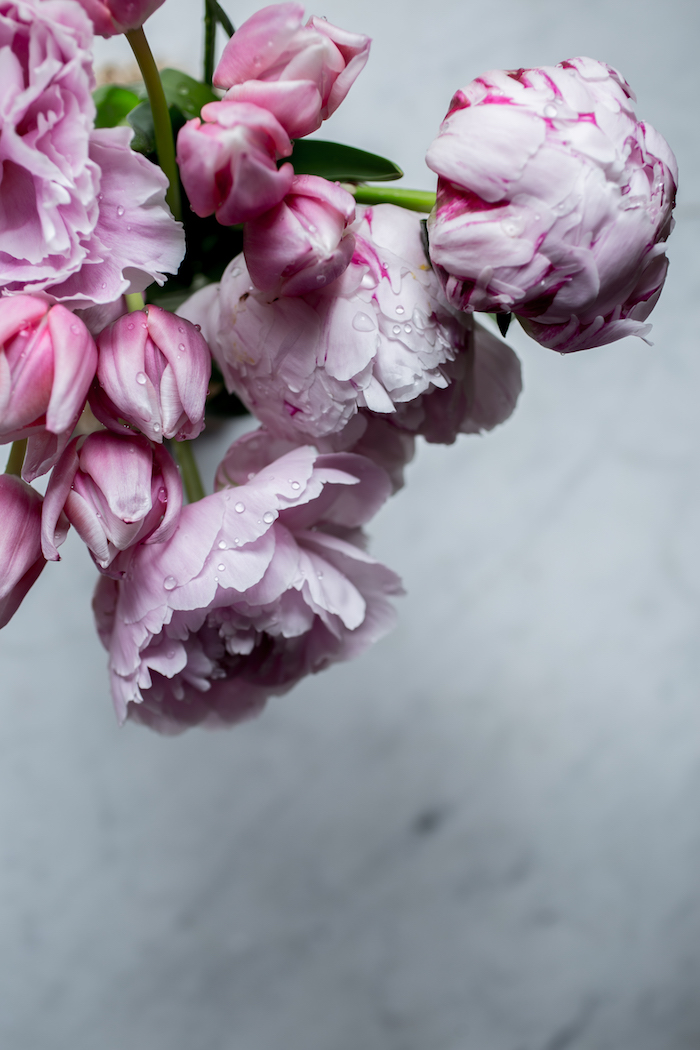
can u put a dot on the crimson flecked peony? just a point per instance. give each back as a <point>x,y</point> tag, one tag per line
<point>263,582</point>
<point>83,217</point>
<point>554,202</point>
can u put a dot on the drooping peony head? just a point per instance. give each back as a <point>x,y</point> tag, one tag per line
<point>554,202</point>
<point>300,73</point>
<point>375,338</point>
<point>111,17</point>
<point>84,218</point>
<point>260,585</point>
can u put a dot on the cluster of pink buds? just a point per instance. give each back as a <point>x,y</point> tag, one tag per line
<point>347,330</point>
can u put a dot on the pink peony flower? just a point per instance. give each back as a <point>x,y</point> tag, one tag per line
<point>553,203</point>
<point>111,17</point>
<point>117,491</point>
<point>301,73</point>
<point>21,561</point>
<point>84,218</point>
<point>375,338</point>
<point>228,163</point>
<point>153,371</point>
<point>303,243</point>
<point>47,362</point>
<point>260,585</point>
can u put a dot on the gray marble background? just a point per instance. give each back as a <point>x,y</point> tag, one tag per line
<point>485,835</point>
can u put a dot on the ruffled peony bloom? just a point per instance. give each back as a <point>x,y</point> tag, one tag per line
<point>377,337</point>
<point>153,371</point>
<point>553,203</point>
<point>228,162</point>
<point>47,362</point>
<point>117,491</point>
<point>83,217</point>
<point>259,586</point>
<point>300,73</point>
<point>303,243</point>
<point>21,560</point>
<point>111,17</point>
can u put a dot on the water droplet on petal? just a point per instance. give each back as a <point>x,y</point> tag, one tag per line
<point>180,328</point>
<point>120,210</point>
<point>268,517</point>
<point>237,541</point>
<point>156,428</point>
<point>170,583</point>
<point>396,329</point>
<point>550,110</point>
<point>222,545</point>
<point>221,568</point>
<point>407,329</point>
<point>319,574</point>
<point>198,327</point>
<point>181,346</point>
<point>235,271</point>
<point>362,323</point>
<point>295,485</point>
<point>320,278</point>
<point>75,328</point>
<point>141,379</point>
<point>400,310</point>
<point>239,508</point>
<point>251,473</point>
<point>130,326</point>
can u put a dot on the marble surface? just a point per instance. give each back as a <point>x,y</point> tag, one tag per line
<point>484,835</point>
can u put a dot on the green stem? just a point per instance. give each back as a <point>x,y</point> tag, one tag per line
<point>16,460</point>
<point>209,41</point>
<point>414,200</point>
<point>134,302</point>
<point>165,143</point>
<point>184,455</point>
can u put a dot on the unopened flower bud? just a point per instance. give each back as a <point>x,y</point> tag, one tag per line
<point>111,17</point>
<point>117,491</point>
<point>302,244</point>
<point>153,371</point>
<point>228,161</point>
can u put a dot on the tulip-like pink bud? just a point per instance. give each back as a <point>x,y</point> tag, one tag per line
<point>21,560</point>
<point>228,163</point>
<point>303,244</point>
<point>153,371</point>
<point>111,17</point>
<point>274,47</point>
<point>117,490</point>
<point>47,362</point>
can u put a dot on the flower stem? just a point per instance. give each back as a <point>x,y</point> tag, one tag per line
<point>209,41</point>
<point>134,302</point>
<point>184,455</point>
<point>16,460</point>
<point>414,200</point>
<point>165,144</point>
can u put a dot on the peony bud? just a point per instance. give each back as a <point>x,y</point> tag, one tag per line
<point>117,490</point>
<point>274,48</point>
<point>47,362</point>
<point>21,561</point>
<point>111,17</point>
<point>302,244</point>
<point>228,163</point>
<point>553,203</point>
<point>153,371</point>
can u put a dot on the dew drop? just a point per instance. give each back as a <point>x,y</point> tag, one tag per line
<point>130,326</point>
<point>221,568</point>
<point>141,379</point>
<point>181,347</point>
<point>216,579</point>
<point>237,541</point>
<point>550,110</point>
<point>268,517</point>
<point>104,284</point>
<point>222,545</point>
<point>170,583</point>
<point>400,310</point>
<point>235,271</point>
<point>156,428</point>
<point>180,328</point>
<point>75,328</point>
<point>407,329</point>
<point>198,327</point>
<point>396,329</point>
<point>321,278</point>
<point>251,475</point>
<point>362,323</point>
<point>319,574</point>
<point>144,325</point>
<point>295,485</point>
<point>239,508</point>
<point>120,210</point>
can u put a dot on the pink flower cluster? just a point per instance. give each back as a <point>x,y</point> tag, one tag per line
<point>340,331</point>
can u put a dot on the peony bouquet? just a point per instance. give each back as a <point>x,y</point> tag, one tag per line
<point>175,251</point>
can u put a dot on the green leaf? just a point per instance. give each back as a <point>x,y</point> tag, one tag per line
<point>187,94</point>
<point>339,163</point>
<point>141,120</point>
<point>414,200</point>
<point>113,104</point>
